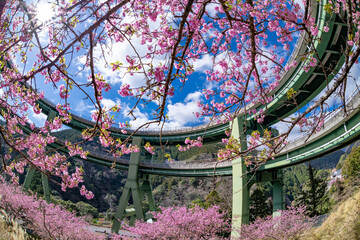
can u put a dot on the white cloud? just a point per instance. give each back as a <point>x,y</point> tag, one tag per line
<point>206,62</point>
<point>212,85</point>
<point>203,64</point>
<point>353,82</point>
<point>283,127</point>
<point>108,103</point>
<point>141,117</point>
<point>180,114</point>
<point>183,113</point>
<point>195,96</point>
<point>37,119</point>
<point>44,36</point>
<point>301,4</point>
<point>117,51</point>
<point>81,108</point>
<point>210,9</point>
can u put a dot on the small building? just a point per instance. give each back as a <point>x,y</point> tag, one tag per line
<point>336,174</point>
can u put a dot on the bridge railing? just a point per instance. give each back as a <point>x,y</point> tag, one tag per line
<point>209,163</point>
<point>331,115</point>
<point>334,120</point>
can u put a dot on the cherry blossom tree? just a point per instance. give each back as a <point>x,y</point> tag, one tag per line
<point>47,221</point>
<point>182,223</point>
<point>291,224</point>
<point>245,42</point>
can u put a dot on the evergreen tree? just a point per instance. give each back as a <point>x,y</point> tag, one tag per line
<point>294,178</point>
<point>312,195</point>
<point>258,205</point>
<point>351,166</point>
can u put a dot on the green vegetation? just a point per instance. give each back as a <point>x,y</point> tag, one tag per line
<point>313,194</point>
<point>213,199</point>
<point>342,190</point>
<point>177,191</point>
<point>339,165</point>
<point>294,178</point>
<point>260,206</point>
<point>341,224</point>
<point>351,165</point>
<point>81,208</point>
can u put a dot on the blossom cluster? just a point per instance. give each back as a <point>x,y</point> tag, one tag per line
<point>149,148</point>
<point>290,224</point>
<point>232,147</point>
<point>47,221</point>
<point>181,223</point>
<point>190,143</point>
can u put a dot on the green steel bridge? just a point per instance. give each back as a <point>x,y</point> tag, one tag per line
<point>338,131</point>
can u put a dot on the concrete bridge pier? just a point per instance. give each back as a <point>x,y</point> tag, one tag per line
<point>137,191</point>
<point>242,183</point>
<point>31,171</point>
<point>241,197</point>
<point>278,193</point>
<point>145,189</point>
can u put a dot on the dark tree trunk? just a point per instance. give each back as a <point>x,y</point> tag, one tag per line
<point>312,191</point>
<point>2,7</point>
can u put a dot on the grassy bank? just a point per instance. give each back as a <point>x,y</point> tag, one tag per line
<point>342,223</point>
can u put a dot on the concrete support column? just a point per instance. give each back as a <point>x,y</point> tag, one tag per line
<point>46,188</point>
<point>131,186</point>
<point>278,195</point>
<point>241,198</point>
<point>147,190</point>
<point>29,176</point>
<point>44,177</point>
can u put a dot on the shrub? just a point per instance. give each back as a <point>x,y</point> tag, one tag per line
<point>86,209</point>
<point>47,221</point>
<point>351,166</point>
<point>181,223</point>
<point>291,224</point>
